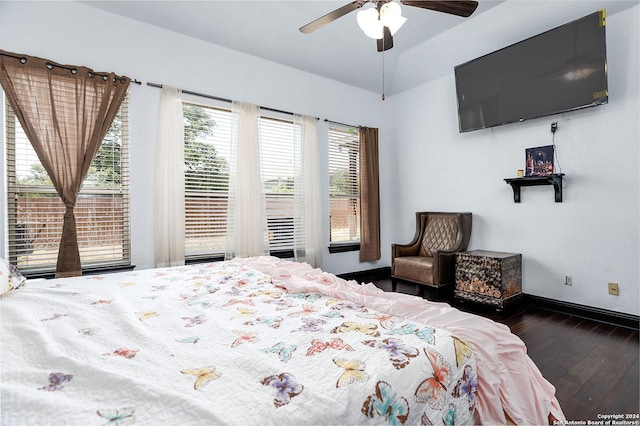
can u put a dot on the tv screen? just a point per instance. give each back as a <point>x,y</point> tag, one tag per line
<point>560,70</point>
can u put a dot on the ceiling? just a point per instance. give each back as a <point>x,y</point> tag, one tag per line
<point>269,29</point>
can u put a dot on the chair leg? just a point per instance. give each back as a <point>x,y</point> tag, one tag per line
<point>394,284</point>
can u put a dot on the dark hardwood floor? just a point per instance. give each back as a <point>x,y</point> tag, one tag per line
<point>593,365</point>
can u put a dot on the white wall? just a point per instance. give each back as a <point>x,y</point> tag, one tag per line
<point>593,234</point>
<point>73,33</point>
<point>425,164</point>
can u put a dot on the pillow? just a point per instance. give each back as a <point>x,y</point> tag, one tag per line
<point>10,277</point>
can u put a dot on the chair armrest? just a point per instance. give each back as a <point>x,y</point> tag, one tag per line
<point>400,250</point>
<point>444,262</point>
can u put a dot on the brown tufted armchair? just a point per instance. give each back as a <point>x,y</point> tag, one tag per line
<point>429,259</point>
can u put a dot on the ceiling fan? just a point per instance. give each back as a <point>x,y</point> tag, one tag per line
<point>385,19</point>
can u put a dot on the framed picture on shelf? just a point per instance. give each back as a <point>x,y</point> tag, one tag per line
<point>539,161</point>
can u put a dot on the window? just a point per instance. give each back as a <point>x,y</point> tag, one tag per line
<point>207,139</point>
<point>280,159</point>
<point>344,197</point>
<point>207,146</point>
<point>35,211</point>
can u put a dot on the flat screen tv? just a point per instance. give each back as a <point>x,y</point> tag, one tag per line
<point>560,70</point>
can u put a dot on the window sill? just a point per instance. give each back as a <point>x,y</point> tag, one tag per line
<point>282,254</point>
<point>90,270</point>
<point>343,248</point>
<point>195,261</point>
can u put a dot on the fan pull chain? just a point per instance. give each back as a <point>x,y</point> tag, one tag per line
<point>383,69</point>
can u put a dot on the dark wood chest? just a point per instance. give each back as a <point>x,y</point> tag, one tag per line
<point>489,277</point>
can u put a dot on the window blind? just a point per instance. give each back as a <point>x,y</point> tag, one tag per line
<point>344,197</point>
<point>281,158</point>
<point>207,144</point>
<point>35,211</point>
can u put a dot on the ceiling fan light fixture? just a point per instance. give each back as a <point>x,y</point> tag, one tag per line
<point>395,26</point>
<point>391,16</point>
<point>369,22</point>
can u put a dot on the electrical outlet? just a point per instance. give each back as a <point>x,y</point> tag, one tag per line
<point>568,280</point>
<point>613,289</point>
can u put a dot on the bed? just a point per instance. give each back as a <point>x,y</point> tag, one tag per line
<point>254,341</point>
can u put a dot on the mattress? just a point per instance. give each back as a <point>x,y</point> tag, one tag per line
<point>255,341</point>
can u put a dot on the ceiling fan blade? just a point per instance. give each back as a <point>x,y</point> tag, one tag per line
<point>386,42</point>
<point>462,8</point>
<point>332,16</point>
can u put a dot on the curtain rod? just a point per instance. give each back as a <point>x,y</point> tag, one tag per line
<point>216,98</point>
<point>51,64</point>
<point>342,124</point>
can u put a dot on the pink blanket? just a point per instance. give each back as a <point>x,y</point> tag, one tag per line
<point>509,384</point>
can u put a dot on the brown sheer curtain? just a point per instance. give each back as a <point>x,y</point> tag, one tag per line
<point>369,195</point>
<point>65,112</point>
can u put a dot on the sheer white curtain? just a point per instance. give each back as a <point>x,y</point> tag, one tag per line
<point>246,214</point>
<point>169,195</point>
<point>307,201</point>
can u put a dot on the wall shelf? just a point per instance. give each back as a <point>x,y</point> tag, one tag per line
<point>553,179</point>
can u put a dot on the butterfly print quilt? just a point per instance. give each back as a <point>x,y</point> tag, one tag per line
<point>223,343</point>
